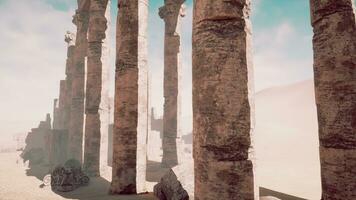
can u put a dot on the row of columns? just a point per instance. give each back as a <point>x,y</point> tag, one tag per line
<point>82,109</point>
<point>222,94</point>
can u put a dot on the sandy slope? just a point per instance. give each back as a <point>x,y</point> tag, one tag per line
<point>286,140</point>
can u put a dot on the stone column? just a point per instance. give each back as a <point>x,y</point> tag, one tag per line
<point>130,129</point>
<point>96,35</point>
<point>334,45</point>
<point>170,13</point>
<point>62,101</point>
<point>81,20</point>
<point>105,100</point>
<point>222,100</point>
<point>66,86</point>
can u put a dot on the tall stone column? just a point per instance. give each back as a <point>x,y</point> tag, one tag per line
<point>222,100</point>
<point>81,20</point>
<point>130,118</point>
<point>170,13</point>
<point>105,100</point>
<point>66,86</point>
<point>96,35</point>
<point>334,45</point>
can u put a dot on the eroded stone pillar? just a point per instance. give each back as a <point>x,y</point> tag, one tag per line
<point>81,20</point>
<point>65,98</point>
<point>334,45</point>
<point>96,35</point>
<point>170,13</point>
<point>222,90</point>
<point>130,129</point>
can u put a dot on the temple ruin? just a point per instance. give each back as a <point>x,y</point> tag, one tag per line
<point>223,102</point>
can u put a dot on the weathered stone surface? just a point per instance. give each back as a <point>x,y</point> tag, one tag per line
<point>338,173</point>
<point>171,13</point>
<point>222,103</point>
<point>130,129</point>
<point>81,20</point>
<point>169,188</point>
<point>335,72</point>
<point>94,84</point>
<point>334,45</point>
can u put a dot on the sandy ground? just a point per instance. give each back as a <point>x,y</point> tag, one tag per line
<point>16,185</point>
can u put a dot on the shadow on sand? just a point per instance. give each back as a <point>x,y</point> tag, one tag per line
<point>279,195</point>
<point>39,171</point>
<point>98,188</point>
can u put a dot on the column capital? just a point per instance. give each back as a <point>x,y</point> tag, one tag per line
<point>170,13</point>
<point>172,9</point>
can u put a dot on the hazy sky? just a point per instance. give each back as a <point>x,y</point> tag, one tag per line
<point>33,53</point>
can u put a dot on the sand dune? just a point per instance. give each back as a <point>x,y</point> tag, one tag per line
<point>286,140</point>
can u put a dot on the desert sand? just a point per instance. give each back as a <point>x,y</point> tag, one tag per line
<point>16,185</point>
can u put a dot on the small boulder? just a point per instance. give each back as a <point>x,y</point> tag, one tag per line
<point>169,188</point>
